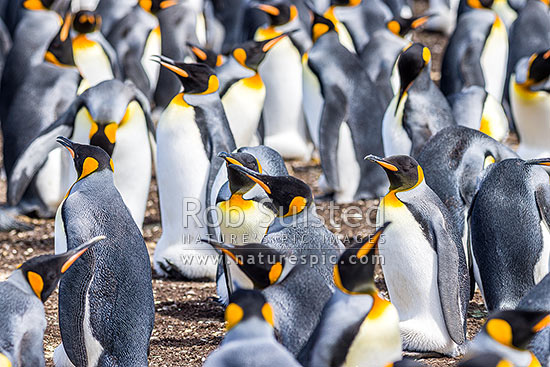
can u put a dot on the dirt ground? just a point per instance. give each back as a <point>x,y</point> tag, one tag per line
<point>189,321</point>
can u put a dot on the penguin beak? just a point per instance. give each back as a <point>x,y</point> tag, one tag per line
<point>269,9</point>
<point>229,159</point>
<point>272,42</point>
<point>539,162</point>
<point>197,51</point>
<point>254,176</point>
<point>170,65</point>
<point>420,21</point>
<point>168,3</point>
<point>74,254</point>
<point>382,162</point>
<point>67,144</point>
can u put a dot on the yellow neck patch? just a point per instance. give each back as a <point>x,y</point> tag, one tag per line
<point>254,82</point>
<point>500,330</point>
<point>233,315</point>
<point>49,57</point>
<point>275,272</point>
<point>34,5</point>
<point>4,361</point>
<point>365,249</point>
<point>378,308</point>
<point>267,313</point>
<point>534,362</point>
<point>81,42</point>
<point>90,165</point>
<point>296,206</point>
<point>36,282</point>
<point>504,363</point>
<point>485,126</point>
<point>392,200</point>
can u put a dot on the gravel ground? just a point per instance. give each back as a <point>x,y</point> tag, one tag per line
<point>189,322</point>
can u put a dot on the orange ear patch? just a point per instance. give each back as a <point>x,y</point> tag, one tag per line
<point>233,315</point>
<point>267,313</point>
<point>36,282</point>
<point>275,272</point>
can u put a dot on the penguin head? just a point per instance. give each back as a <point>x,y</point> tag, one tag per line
<point>320,26</point>
<point>240,183</point>
<point>206,56</point>
<point>86,21</point>
<point>411,63</point>
<point>263,265</point>
<point>250,54</point>
<point>485,360</point>
<point>515,328</point>
<point>354,272</point>
<point>195,78</point>
<point>480,4</point>
<point>43,272</point>
<point>290,195</point>
<point>247,304</point>
<point>401,26</point>
<point>87,158</point>
<point>60,50</point>
<point>535,72</point>
<point>345,2</point>
<point>154,6</point>
<point>279,12</point>
<point>403,171</point>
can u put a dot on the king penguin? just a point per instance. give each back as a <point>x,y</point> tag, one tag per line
<point>419,109</point>
<point>250,338</point>
<point>136,38</point>
<point>283,116</point>
<point>106,306</point>
<point>112,115</point>
<point>191,131</point>
<point>51,86</point>
<point>94,56</point>
<point>423,260</point>
<point>477,52</point>
<point>530,103</point>
<point>244,95</point>
<point>333,14</point>
<point>22,295</point>
<point>343,111</point>
<point>34,33</point>
<point>357,327</point>
<point>454,162</point>
<point>508,334</point>
<point>511,256</point>
<point>473,107</point>
<point>288,284</point>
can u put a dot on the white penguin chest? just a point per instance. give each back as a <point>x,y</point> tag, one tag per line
<point>152,47</point>
<point>395,138</point>
<point>243,104</point>
<point>91,60</point>
<point>494,59</point>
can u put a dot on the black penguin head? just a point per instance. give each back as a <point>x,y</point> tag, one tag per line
<point>245,305</point>
<point>345,2</point>
<point>515,328</point>
<point>279,12</point>
<point>60,51</point>
<point>206,56</point>
<point>86,21</point>
<point>154,6</point>
<point>354,272</point>
<point>103,135</point>
<point>250,54</point>
<point>411,62</point>
<point>320,26</point>
<point>239,182</point>
<point>480,4</point>
<point>263,265</point>
<point>87,158</point>
<point>485,360</point>
<point>539,67</point>
<point>43,272</point>
<point>195,78</point>
<point>401,26</point>
<point>403,171</point>
<point>290,195</point>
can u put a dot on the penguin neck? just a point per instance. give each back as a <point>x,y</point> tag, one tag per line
<point>249,329</point>
<point>300,219</point>
<point>423,81</point>
<point>193,100</point>
<point>18,280</point>
<point>395,197</point>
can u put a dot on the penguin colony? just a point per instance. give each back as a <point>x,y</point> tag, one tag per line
<point>212,96</point>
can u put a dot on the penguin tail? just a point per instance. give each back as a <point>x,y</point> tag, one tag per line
<point>9,222</point>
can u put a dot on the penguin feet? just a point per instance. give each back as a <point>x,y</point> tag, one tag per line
<point>8,221</point>
<point>423,337</point>
<point>182,262</point>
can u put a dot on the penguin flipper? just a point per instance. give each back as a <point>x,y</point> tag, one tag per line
<point>334,113</point>
<point>133,70</point>
<point>542,197</point>
<point>419,133</point>
<point>36,153</point>
<point>453,302</point>
<point>471,71</point>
